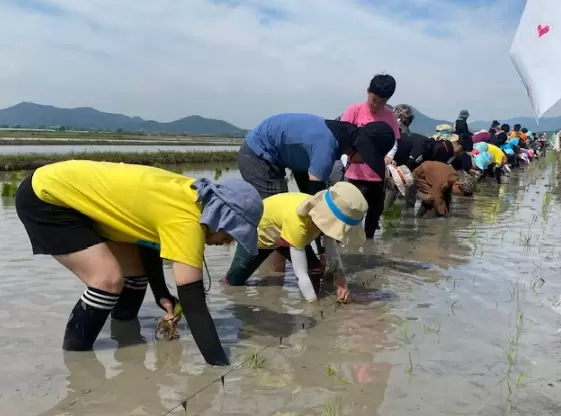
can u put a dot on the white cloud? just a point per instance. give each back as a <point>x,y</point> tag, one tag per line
<point>169,58</point>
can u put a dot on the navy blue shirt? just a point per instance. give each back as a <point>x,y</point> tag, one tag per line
<point>300,142</point>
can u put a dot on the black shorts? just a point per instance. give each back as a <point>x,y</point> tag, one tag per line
<point>53,230</point>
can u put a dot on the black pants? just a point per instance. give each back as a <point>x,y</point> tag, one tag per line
<point>495,171</point>
<point>374,193</point>
<point>244,264</point>
<point>269,180</point>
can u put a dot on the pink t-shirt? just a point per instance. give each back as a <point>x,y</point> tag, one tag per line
<point>359,115</point>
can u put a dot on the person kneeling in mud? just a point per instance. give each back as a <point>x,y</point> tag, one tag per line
<point>88,215</point>
<point>292,220</point>
<point>436,182</point>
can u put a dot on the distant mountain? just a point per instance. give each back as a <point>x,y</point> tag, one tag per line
<point>423,124</point>
<point>31,115</point>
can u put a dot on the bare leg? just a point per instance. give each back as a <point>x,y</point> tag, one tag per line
<point>98,268</point>
<point>135,283</point>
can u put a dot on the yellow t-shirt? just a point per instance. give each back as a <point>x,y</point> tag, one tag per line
<point>130,203</point>
<point>497,154</point>
<point>280,221</point>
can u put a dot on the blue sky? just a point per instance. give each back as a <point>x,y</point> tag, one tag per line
<point>243,60</point>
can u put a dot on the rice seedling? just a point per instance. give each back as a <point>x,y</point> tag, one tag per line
<point>392,213</point>
<point>331,373</point>
<point>410,369</point>
<point>405,333</point>
<point>535,284</point>
<point>429,328</point>
<point>9,189</point>
<point>526,238</point>
<point>521,377</point>
<point>453,305</point>
<point>166,328</point>
<point>254,362</point>
<point>514,291</point>
<point>534,217</point>
<point>473,237</point>
<point>332,407</point>
<point>546,204</point>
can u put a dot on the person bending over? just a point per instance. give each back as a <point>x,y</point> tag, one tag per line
<point>308,145</point>
<point>499,161</point>
<point>436,182</point>
<point>292,220</point>
<point>92,216</point>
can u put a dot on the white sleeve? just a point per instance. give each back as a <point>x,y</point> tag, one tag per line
<point>300,266</point>
<point>344,160</point>
<point>332,251</point>
<point>393,150</point>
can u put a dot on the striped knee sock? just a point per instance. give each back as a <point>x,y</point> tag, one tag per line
<point>87,319</point>
<point>131,298</point>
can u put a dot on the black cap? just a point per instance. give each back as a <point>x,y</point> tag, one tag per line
<point>373,143</point>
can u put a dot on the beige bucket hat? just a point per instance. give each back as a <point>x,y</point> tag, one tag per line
<point>401,176</point>
<point>337,212</point>
<point>445,132</point>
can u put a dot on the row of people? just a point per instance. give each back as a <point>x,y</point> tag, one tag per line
<point>112,224</point>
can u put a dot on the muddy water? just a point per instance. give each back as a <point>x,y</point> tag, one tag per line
<point>450,318</point>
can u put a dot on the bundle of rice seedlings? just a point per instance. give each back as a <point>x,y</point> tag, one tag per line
<point>167,325</point>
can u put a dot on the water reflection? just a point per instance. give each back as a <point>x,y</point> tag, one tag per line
<point>436,303</point>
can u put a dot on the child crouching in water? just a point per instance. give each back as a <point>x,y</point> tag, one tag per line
<point>293,220</point>
<point>436,182</point>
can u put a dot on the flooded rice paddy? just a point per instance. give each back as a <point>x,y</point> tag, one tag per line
<point>450,317</point>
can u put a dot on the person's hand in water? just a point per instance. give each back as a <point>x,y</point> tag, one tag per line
<point>169,305</point>
<point>343,293</point>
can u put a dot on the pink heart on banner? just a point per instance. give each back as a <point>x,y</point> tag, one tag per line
<point>543,30</point>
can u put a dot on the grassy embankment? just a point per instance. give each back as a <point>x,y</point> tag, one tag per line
<point>19,163</point>
<point>100,138</point>
<point>16,162</point>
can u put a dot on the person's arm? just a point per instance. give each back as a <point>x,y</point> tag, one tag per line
<point>334,257</point>
<point>300,266</point>
<point>393,151</point>
<point>182,240</point>
<point>154,269</point>
<point>322,158</point>
<point>416,156</point>
<point>192,298</point>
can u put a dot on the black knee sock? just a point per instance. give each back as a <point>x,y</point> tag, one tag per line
<point>87,318</point>
<point>192,298</point>
<point>131,298</point>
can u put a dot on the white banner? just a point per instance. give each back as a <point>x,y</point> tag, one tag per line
<point>536,53</point>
